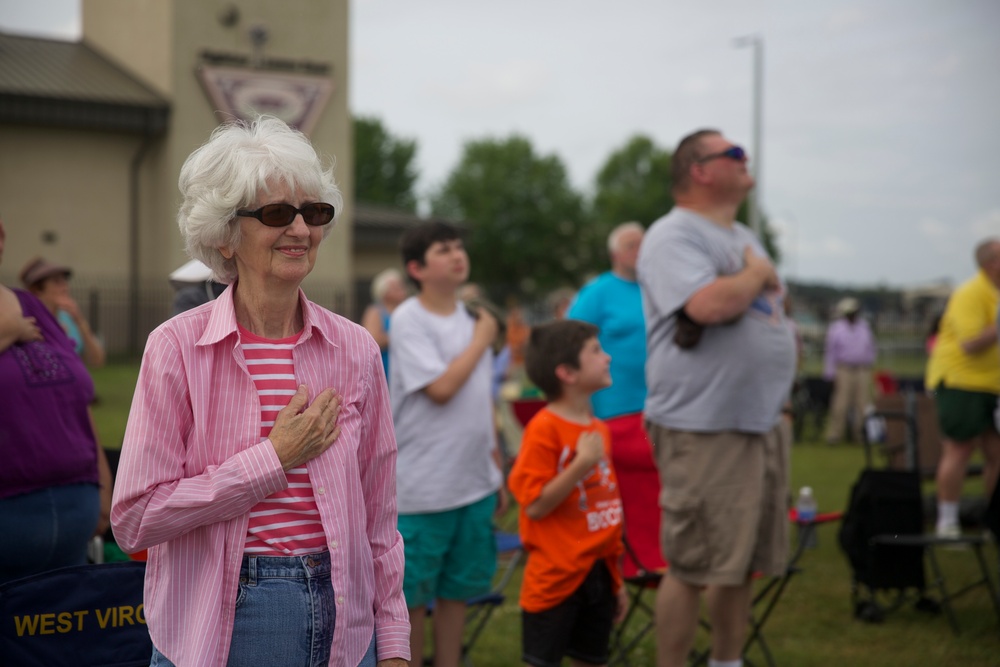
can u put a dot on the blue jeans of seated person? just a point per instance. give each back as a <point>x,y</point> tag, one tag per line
<point>285,614</point>
<point>51,528</point>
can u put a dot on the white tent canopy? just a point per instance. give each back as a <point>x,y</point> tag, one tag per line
<point>191,273</point>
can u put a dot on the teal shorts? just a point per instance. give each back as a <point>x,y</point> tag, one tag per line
<point>450,555</point>
<point>965,415</point>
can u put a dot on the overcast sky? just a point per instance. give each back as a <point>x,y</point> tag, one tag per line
<point>881,140</point>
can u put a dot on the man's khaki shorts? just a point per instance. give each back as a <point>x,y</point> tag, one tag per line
<point>724,503</point>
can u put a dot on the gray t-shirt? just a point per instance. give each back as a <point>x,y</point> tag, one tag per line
<point>738,375</point>
<point>445,452</point>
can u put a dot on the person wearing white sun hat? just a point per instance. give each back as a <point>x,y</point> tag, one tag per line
<point>848,359</point>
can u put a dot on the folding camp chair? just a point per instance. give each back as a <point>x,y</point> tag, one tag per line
<point>480,608</point>
<point>643,564</point>
<point>526,408</point>
<point>903,431</point>
<point>906,434</point>
<point>765,600</point>
<point>770,591</point>
<point>810,404</point>
<point>991,518</point>
<point>883,537</point>
<point>84,616</point>
<point>929,544</point>
<point>642,583</point>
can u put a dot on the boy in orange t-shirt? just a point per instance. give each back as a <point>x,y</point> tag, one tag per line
<point>571,511</point>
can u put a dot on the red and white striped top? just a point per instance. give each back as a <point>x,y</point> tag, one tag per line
<point>285,523</point>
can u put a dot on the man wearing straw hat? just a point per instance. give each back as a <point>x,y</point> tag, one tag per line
<point>848,359</point>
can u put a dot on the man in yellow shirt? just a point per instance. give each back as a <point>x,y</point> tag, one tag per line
<point>964,373</point>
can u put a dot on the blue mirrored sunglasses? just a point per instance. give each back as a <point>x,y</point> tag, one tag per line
<point>733,153</point>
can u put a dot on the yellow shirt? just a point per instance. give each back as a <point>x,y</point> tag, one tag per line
<point>971,308</point>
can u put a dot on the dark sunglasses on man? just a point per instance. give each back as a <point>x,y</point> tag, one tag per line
<point>282,215</point>
<point>733,153</point>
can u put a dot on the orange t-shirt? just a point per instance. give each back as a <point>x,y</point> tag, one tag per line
<point>587,526</point>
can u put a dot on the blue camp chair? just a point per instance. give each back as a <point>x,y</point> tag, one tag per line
<point>479,609</point>
<point>81,616</point>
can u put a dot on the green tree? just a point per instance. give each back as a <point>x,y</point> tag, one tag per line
<point>384,172</point>
<point>526,222</point>
<point>633,184</point>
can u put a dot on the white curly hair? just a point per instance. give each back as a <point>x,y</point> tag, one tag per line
<point>239,162</point>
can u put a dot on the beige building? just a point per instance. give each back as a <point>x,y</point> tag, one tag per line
<point>93,135</point>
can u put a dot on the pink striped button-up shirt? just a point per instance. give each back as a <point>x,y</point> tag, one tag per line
<point>193,465</point>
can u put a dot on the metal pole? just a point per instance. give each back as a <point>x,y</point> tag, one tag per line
<point>758,115</point>
<point>135,247</point>
<point>757,42</point>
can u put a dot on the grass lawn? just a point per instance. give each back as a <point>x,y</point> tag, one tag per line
<point>115,384</point>
<point>899,365</point>
<point>812,625</point>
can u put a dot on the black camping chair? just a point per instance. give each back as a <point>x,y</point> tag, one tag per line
<point>638,622</point>
<point>883,538</point>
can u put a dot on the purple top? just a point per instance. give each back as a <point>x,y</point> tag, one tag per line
<point>46,438</point>
<point>846,343</point>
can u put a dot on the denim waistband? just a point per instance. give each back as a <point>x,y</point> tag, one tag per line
<point>309,566</point>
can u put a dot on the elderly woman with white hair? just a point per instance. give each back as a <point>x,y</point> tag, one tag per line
<point>388,291</point>
<point>258,465</point>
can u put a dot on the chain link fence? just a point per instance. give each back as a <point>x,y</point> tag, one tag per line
<point>122,317</point>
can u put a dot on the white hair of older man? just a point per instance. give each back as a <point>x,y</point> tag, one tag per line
<point>617,232</point>
<point>380,283</point>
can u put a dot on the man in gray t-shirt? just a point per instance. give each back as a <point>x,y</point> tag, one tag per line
<point>720,361</point>
<point>737,376</point>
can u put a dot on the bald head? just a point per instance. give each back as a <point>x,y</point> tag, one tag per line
<point>623,246</point>
<point>988,259</point>
<point>687,154</point>
<point>987,251</point>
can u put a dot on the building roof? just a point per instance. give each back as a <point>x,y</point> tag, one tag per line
<point>52,82</point>
<point>378,225</point>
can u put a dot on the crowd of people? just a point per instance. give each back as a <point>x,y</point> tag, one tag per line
<point>309,489</point>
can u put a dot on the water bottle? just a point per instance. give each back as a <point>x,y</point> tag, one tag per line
<point>806,509</point>
<point>874,426</point>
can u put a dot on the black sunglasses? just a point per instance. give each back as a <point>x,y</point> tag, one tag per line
<point>733,153</point>
<point>282,215</point>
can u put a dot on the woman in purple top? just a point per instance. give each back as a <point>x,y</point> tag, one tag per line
<point>50,501</point>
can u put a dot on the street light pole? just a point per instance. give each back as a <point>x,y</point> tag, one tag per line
<point>757,42</point>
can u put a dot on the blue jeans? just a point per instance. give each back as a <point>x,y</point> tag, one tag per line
<point>50,529</point>
<point>285,614</point>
